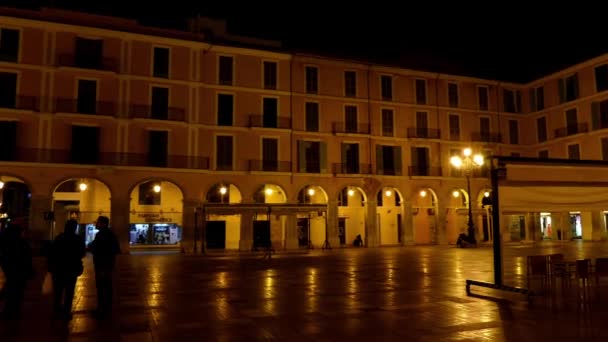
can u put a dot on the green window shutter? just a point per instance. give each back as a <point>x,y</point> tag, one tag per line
<point>379,160</point>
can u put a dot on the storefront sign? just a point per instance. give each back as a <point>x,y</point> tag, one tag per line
<point>153,217</point>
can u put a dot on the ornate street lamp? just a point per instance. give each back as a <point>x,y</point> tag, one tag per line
<point>468,163</point>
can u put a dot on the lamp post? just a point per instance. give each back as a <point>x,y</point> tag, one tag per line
<point>468,163</point>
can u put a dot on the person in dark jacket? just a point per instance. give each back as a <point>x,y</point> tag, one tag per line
<point>104,247</point>
<point>65,264</point>
<point>16,263</point>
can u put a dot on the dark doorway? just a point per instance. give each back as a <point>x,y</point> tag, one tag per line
<point>87,97</point>
<point>522,227</point>
<point>342,230</point>
<point>485,227</point>
<point>85,145</point>
<point>399,228</point>
<point>215,234</point>
<point>303,231</point>
<point>8,140</point>
<point>261,234</point>
<point>157,148</point>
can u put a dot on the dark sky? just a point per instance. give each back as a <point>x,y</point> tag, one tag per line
<point>503,40</point>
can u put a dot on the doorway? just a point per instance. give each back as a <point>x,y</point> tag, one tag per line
<point>261,234</point>
<point>342,230</point>
<point>399,228</point>
<point>215,234</point>
<point>303,231</point>
<point>576,227</point>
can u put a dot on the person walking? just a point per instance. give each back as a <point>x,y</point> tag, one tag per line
<point>104,247</point>
<point>65,265</point>
<point>16,263</point>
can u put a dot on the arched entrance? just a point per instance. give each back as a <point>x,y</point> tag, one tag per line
<point>312,226</point>
<point>223,230</point>
<point>14,202</point>
<point>156,214</point>
<point>352,205</point>
<point>424,211</point>
<point>457,214</point>
<point>389,216</point>
<point>484,221</point>
<point>268,228</point>
<point>82,199</point>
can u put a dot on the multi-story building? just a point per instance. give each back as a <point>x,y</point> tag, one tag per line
<point>163,130</point>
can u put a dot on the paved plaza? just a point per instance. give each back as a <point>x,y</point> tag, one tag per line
<point>390,294</point>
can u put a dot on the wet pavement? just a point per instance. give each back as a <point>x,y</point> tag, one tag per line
<point>405,294</point>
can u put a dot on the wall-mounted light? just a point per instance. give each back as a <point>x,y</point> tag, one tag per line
<point>223,190</point>
<point>486,194</point>
<point>388,193</point>
<point>422,193</point>
<point>351,192</point>
<point>456,193</point>
<point>82,186</point>
<point>311,192</point>
<point>156,188</point>
<point>268,191</point>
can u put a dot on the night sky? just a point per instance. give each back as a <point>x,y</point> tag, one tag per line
<point>508,41</point>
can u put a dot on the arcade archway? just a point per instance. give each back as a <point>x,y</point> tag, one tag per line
<point>424,211</point>
<point>223,229</point>
<point>352,211</point>
<point>389,213</point>
<point>156,214</point>
<point>14,202</point>
<point>457,214</point>
<point>269,228</point>
<point>312,226</point>
<point>82,199</point>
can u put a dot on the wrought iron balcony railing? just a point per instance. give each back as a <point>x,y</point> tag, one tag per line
<point>85,107</point>
<point>341,127</point>
<point>424,133</point>
<point>102,63</point>
<point>150,112</point>
<point>270,165</point>
<point>267,121</point>
<point>572,129</point>
<point>488,137</point>
<point>349,168</point>
<point>423,170</point>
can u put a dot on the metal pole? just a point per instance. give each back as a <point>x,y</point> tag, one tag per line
<point>470,223</point>
<point>195,229</point>
<point>497,243</point>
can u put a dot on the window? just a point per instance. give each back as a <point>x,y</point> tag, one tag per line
<point>223,152</point>
<point>388,160</point>
<point>270,75</point>
<point>8,90</point>
<point>386,87</point>
<point>161,62</point>
<point>571,122</point>
<point>85,145</point>
<point>350,84</point>
<point>158,148</point>
<point>312,156</point>
<point>420,161</point>
<point>8,140</point>
<point>483,97</point>
<point>312,80</point>
<point>601,78</point>
<point>422,125</point>
<point>350,119</point>
<point>541,129</point>
<point>225,70</point>
<point>387,123</point>
<point>350,158</point>
<point>421,92</point>
<point>454,123</point>
<point>453,94</point>
<point>271,112</point>
<point>484,128</point>
<point>568,88</point>
<point>160,103</point>
<point>513,132</point>
<point>270,154</point>
<point>537,99</point>
<point>574,152</point>
<point>599,115</point>
<point>88,53</point>
<point>9,45</point>
<point>87,97</point>
<point>543,154</point>
<point>512,101</point>
<point>312,117</point>
<point>147,195</point>
<point>225,109</point>
<point>605,149</point>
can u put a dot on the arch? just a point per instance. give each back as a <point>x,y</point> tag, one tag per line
<point>456,214</point>
<point>223,192</point>
<point>352,213</point>
<point>156,213</point>
<point>15,195</point>
<point>485,192</point>
<point>386,192</point>
<point>82,199</point>
<point>7,177</point>
<point>390,202</point>
<point>350,191</point>
<point>457,198</point>
<point>158,179</point>
<point>312,194</point>
<point>425,197</point>
<point>270,193</point>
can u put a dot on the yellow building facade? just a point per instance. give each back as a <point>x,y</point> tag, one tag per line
<point>181,141</point>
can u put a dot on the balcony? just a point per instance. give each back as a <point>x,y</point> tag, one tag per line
<point>388,171</point>
<point>425,171</point>
<point>482,172</point>
<point>257,120</point>
<point>32,155</point>
<point>149,112</point>
<point>85,107</point>
<point>487,137</point>
<point>573,129</point>
<point>352,169</point>
<point>270,165</point>
<point>341,127</point>
<point>102,63</point>
<point>423,133</point>
<point>20,102</point>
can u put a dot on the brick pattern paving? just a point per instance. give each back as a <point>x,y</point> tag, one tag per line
<point>400,294</point>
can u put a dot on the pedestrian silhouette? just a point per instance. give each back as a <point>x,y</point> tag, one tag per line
<point>65,265</point>
<point>16,263</point>
<point>104,247</point>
